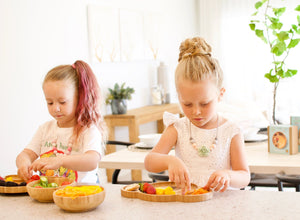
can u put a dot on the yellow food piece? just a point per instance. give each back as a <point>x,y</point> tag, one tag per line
<point>165,191</point>
<point>76,191</point>
<point>169,191</point>
<point>9,179</point>
<point>160,191</point>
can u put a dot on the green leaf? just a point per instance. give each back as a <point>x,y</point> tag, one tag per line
<point>252,26</point>
<point>293,43</point>
<point>260,34</point>
<point>298,18</point>
<point>254,21</point>
<point>273,20</point>
<point>258,4</point>
<point>297,8</point>
<point>255,13</point>
<point>280,73</point>
<point>290,73</point>
<point>294,27</point>
<point>279,48</point>
<point>283,35</point>
<point>275,26</point>
<point>278,11</point>
<point>272,79</point>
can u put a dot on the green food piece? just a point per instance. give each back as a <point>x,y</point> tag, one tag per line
<point>37,184</point>
<point>52,185</point>
<point>43,181</point>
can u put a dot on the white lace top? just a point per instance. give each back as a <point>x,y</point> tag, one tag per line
<point>201,168</point>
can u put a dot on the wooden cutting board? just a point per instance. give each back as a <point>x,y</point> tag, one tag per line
<point>167,198</point>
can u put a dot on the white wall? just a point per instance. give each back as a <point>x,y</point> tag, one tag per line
<point>38,35</point>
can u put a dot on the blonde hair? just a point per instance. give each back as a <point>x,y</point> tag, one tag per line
<point>196,62</point>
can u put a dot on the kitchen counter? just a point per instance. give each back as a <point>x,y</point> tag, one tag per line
<point>239,204</point>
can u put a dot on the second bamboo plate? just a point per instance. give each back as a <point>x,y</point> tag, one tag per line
<point>167,198</point>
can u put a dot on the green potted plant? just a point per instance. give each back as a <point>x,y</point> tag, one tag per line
<point>117,98</point>
<point>268,25</point>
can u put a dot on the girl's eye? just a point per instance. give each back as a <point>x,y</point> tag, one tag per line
<point>62,103</point>
<point>188,105</point>
<point>49,103</point>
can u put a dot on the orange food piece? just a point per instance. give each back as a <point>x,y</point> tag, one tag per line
<point>50,173</point>
<point>197,191</point>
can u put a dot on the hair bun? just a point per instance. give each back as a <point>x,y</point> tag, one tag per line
<point>196,46</point>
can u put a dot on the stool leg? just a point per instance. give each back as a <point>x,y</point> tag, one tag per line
<point>115,176</point>
<point>280,186</point>
<point>297,188</point>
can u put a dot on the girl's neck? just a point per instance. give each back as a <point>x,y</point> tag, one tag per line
<point>66,125</point>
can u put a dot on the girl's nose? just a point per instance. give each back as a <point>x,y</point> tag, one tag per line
<point>57,108</point>
<point>196,110</point>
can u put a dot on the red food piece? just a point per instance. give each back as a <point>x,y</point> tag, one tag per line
<point>65,183</point>
<point>30,181</point>
<point>38,187</point>
<point>35,177</point>
<point>145,186</point>
<point>1,178</point>
<point>150,189</point>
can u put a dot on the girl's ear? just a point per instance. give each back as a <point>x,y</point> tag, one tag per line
<point>222,91</point>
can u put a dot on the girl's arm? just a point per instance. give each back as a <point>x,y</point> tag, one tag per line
<point>239,176</point>
<point>82,162</point>
<point>158,160</point>
<point>23,162</point>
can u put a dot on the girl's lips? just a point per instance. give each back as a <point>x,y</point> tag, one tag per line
<point>198,119</point>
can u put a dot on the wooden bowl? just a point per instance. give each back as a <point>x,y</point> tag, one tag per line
<point>80,203</point>
<point>45,194</point>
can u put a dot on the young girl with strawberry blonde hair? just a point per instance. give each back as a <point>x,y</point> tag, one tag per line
<point>209,148</point>
<point>71,144</point>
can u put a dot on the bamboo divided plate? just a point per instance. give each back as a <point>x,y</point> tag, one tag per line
<point>167,198</point>
<point>14,189</point>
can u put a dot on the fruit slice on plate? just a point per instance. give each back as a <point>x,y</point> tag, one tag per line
<point>166,198</point>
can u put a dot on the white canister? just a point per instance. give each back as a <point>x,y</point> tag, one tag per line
<point>156,94</point>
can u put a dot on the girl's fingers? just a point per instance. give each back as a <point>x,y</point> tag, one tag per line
<point>187,181</point>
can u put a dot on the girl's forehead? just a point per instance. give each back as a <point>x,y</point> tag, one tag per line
<point>58,88</point>
<point>204,89</point>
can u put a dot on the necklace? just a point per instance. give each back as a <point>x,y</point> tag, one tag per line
<point>69,147</point>
<point>204,151</point>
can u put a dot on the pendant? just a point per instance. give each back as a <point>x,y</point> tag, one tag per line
<point>203,151</point>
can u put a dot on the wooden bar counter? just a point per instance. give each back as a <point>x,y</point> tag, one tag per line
<point>133,119</point>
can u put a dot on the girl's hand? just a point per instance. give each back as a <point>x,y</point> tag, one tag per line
<point>179,174</point>
<point>218,181</point>
<point>25,173</point>
<point>46,163</point>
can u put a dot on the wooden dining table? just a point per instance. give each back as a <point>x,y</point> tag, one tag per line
<point>258,157</point>
<point>235,204</point>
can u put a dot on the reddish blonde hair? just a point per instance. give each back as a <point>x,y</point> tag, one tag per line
<point>88,95</point>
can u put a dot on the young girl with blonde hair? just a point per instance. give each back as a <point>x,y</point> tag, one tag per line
<point>71,144</point>
<point>209,148</point>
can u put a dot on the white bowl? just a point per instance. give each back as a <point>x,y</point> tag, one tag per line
<point>150,139</point>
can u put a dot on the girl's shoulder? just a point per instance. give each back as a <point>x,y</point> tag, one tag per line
<point>229,126</point>
<point>170,119</point>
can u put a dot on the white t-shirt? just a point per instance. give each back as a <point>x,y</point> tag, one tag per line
<point>49,132</point>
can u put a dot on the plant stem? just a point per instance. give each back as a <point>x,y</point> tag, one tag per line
<point>274,103</point>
